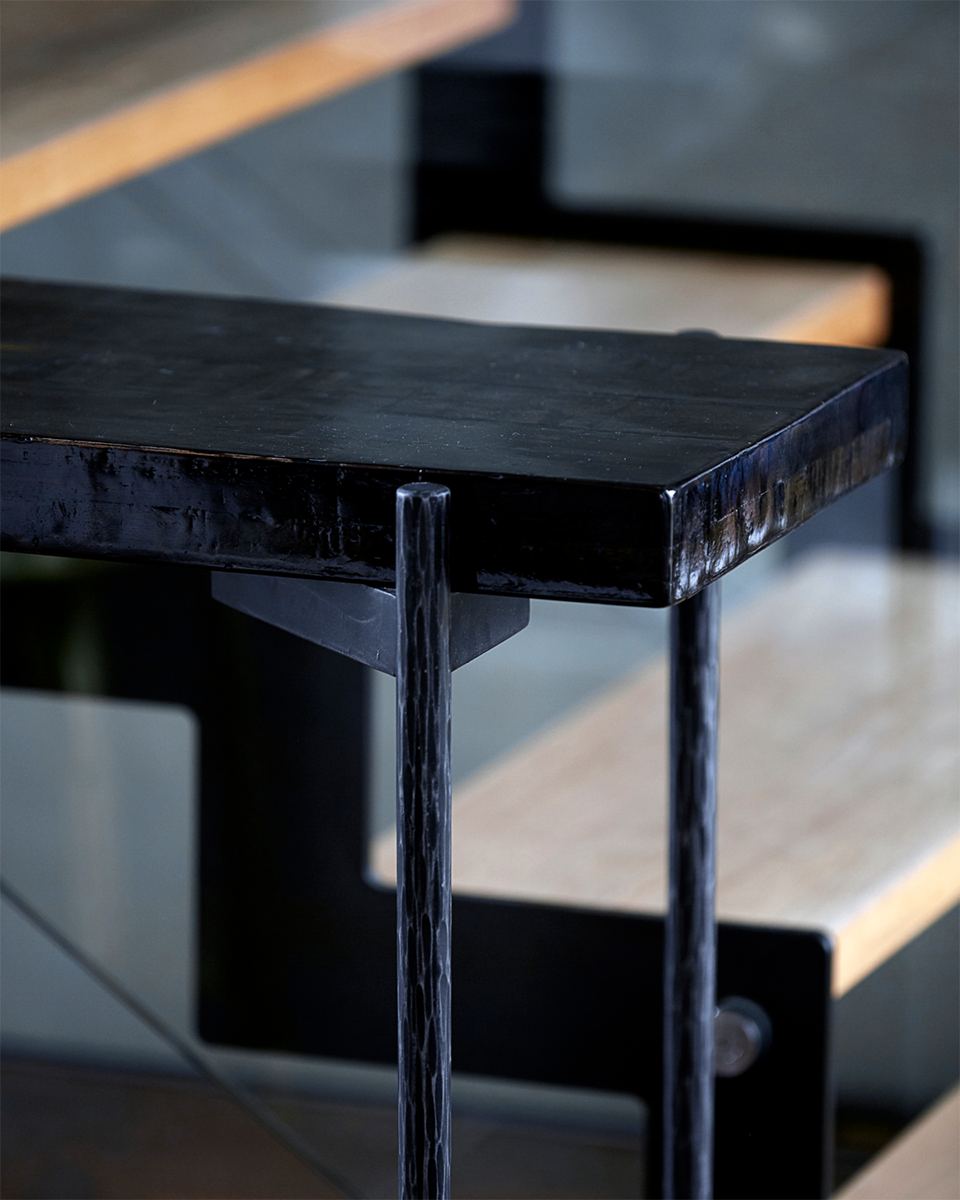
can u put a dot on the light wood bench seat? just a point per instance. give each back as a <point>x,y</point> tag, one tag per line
<point>838,772</point>
<point>522,281</point>
<point>94,94</point>
<point>923,1163</point>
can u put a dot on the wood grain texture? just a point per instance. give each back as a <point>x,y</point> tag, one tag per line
<point>86,110</point>
<point>626,467</point>
<point>838,772</point>
<point>524,281</point>
<point>923,1163</point>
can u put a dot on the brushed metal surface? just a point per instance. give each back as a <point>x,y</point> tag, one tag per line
<point>424,891</point>
<point>690,946</point>
<point>360,620</point>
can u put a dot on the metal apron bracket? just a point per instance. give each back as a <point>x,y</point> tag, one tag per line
<point>360,620</point>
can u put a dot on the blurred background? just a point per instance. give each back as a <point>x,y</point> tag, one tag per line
<point>806,129</point>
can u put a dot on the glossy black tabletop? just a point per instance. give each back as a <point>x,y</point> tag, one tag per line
<point>632,468</point>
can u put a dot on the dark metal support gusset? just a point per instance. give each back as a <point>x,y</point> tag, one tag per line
<point>690,948</point>
<point>423,840</point>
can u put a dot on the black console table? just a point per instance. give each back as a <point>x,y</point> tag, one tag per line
<point>274,440</point>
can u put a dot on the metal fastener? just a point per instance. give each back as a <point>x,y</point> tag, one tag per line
<point>741,1034</point>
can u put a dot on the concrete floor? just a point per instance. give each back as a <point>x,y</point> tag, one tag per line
<point>80,1131</point>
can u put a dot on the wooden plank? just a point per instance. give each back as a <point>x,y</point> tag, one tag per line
<point>838,773</point>
<point>526,282</point>
<point>89,105</point>
<point>587,465</point>
<point>923,1163</point>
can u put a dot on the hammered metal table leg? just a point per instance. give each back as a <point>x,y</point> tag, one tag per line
<point>423,840</point>
<point>690,946</point>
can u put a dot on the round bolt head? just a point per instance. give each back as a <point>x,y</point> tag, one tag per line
<point>738,1041</point>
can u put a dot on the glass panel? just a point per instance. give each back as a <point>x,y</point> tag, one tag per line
<point>98,821</point>
<point>99,964</point>
<point>96,1104</point>
<point>109,1092</point>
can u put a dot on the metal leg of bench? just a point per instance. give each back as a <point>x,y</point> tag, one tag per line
<point>423,840</point>
<point>690,945</point>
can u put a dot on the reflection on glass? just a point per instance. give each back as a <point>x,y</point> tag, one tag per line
<point>109,1092</point>
<point>98,982</point>
<point>136,1112</point>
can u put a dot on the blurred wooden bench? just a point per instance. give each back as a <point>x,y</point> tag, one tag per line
<point>923,1163</point>
<point>522,281</point>
<point>97,93</point>
<point>838,772</point>
<point>839,760</point>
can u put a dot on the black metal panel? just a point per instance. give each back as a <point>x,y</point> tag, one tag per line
<point>480,137</point>
<point>543,993</point>
<point>634,468</point>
